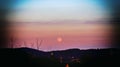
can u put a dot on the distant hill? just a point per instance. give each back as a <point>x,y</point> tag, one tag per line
<point>33,57</point>
<point>25,57</point>
<point>72,52</point>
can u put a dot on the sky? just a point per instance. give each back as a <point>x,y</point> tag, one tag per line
<point>52,10</point>
<point>60,24</point>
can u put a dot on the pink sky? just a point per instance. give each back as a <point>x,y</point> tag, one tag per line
<point>79,23</point>
<point>74,35</point>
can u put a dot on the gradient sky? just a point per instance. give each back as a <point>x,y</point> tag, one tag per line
<point>61,24</point>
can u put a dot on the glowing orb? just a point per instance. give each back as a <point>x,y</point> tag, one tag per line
<point>59,39</point>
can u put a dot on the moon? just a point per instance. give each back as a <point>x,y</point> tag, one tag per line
<point>59,39</point>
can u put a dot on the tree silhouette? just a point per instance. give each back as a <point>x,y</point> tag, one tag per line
<point>38,43</point>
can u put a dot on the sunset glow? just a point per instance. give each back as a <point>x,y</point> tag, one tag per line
<point>59,39</point>
<point>61,24</point>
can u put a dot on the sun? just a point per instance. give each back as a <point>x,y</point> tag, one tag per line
<point>59,39</point>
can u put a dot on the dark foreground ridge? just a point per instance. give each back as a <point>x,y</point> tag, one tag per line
<point>73,57</point>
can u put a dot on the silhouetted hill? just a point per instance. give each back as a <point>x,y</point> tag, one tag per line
<point>34,52</point>
<point>22,57</point>
<point>74,57</point>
